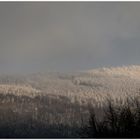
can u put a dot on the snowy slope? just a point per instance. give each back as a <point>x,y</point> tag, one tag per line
<point>93,86</point>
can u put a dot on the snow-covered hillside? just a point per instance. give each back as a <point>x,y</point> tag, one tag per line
<point>18,90</point>
<point>131,71</point>
<point>93,86</point>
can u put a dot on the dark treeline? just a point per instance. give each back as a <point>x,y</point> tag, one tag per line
<point>40,117</point>
<point>56,117</point>
<point>118,121</point>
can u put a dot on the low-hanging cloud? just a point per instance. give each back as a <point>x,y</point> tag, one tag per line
<point>68,36</point>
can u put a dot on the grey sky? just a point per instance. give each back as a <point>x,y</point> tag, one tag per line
<point>68,36</point>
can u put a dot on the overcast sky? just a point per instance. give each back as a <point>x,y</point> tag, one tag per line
<point>66,37</point>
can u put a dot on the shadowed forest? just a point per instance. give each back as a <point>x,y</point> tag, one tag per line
<point>45,117</point>
<point>102,103</point>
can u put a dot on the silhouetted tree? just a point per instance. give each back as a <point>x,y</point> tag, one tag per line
<point>121,121</point>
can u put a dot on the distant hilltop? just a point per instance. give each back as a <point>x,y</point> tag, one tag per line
<point>93,86</point>
<point>132,71</point>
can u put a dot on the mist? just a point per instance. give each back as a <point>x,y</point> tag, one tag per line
<point>68,36</point>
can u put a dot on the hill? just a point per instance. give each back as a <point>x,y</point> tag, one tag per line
<point>57,104</point>
<point>92,86</point>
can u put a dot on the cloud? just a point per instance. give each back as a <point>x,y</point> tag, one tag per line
<point>68,36</point>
